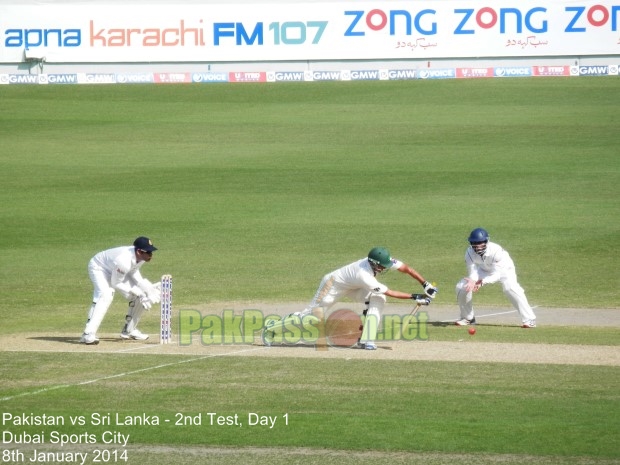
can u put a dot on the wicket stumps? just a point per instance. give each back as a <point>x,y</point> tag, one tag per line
<point>165,333</point>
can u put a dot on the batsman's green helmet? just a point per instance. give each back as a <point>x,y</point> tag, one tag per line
<point>380,256</point>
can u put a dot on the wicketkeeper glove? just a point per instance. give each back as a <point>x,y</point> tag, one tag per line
<point>430,290</point>
<point>146,302</point>
<point>154,294</point>
<point>136,291</point>
<point>421,299</point>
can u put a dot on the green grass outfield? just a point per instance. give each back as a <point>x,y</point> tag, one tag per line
<point>252,193</point>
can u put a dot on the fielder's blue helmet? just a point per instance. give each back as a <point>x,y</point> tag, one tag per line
<point>478,235</point>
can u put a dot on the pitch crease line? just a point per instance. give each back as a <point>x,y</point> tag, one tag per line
<point>120,375</point>
<point>482,316</point>
<point>490,314</point>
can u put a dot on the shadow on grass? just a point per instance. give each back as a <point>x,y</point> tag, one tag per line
<point>75,340</point>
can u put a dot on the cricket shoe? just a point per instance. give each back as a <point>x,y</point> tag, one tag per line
<point>366,345</point>
<point>465,322</point>
<point>529,324</point>
<point>89,339</point>
<point>136,335</point>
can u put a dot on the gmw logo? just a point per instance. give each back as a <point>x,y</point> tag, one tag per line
<point>290,76</point>
<point>593,70</point>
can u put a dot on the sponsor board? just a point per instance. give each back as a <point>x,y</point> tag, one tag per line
<point>401,74</point>
<point>134,78</point>
<point>61,78</point>
<point>163,31</point>
<point>446,73</point>
<point>172,78</point>
<point>551,70</point>
<point>513,71</point>
<point>210,77</point>
<point>19,79</point>
<point>365,75</point>
<point>95,78</point>
<point>474,72</point>
<point>326,75</point>
<point>309,75</point>
<point>593,70</point>
<point>245,76</point>
<point>286,76</point>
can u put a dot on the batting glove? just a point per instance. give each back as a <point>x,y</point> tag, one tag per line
<point>430,290</point>
<point>421,299</point>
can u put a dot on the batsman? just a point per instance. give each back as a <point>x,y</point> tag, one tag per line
<point>358,282</point>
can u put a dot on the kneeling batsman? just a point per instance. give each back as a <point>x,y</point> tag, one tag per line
<point>358,282</point>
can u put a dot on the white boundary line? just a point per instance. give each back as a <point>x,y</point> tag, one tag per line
<point>127,373</point>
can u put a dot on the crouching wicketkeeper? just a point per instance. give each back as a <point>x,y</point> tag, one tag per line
<point>118,269</point>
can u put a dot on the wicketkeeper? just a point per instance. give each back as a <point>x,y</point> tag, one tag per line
<point>358,281</point>
<point>118,269</point>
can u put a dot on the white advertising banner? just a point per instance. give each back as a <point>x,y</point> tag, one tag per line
<point>93,32</point>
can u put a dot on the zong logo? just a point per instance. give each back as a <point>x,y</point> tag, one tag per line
<point>377,20</point>
<point>488,18</point>
<point>596,16</point>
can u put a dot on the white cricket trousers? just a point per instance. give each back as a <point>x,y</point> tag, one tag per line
<point>103,294</point>
<point>511,288</point>
<point>329,293</point>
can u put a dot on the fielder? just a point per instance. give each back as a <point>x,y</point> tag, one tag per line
<point>358,281</point>
<point>118,269</point>
<point>488,263</point>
